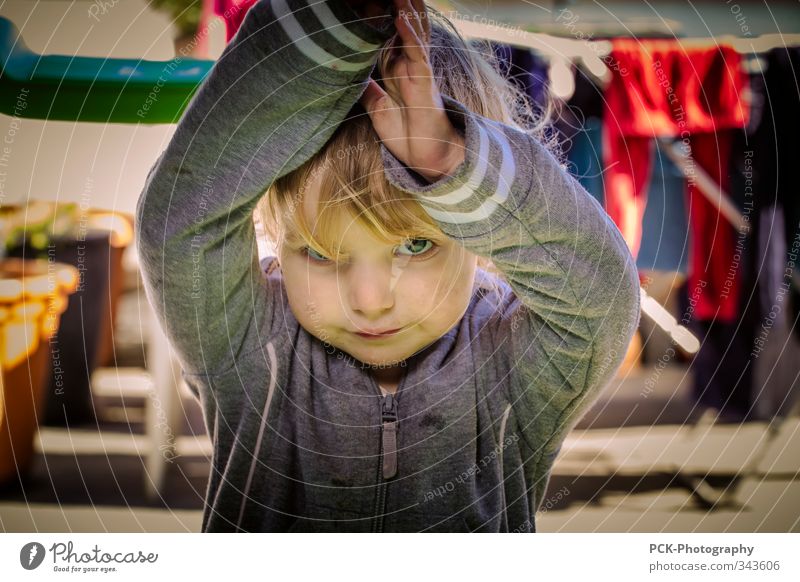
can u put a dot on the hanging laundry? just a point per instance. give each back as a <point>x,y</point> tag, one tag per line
<point>775,150</point>
<point>579,126</point>
<point>664,227</point>
<point>526,69</point>
<point>583,151</point>
<point>723,372</point>
<point>695,95</point>
<point>529,72</point>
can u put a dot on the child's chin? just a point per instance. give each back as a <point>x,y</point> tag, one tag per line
<point>380,358</point>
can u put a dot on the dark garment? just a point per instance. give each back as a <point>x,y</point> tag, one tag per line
<point>730,371</point>
<point>526,69</point>
<point>723,368</point>
<point>776,151</point>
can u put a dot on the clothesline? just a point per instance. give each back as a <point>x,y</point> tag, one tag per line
<point>571,48</point>
<point>593,54</point>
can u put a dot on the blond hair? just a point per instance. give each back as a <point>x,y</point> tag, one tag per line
<point>351,165</point>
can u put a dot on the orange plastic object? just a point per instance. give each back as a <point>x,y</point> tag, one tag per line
<point>33,295</point>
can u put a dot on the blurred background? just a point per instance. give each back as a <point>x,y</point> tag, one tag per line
<point>680,118</point>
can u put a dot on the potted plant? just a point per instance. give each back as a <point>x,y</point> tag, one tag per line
<point>92,242</point>
<point>33,295</point>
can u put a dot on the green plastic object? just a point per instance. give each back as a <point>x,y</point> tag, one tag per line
<point>60,87</point>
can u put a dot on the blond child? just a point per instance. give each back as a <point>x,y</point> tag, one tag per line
<point>445,300</point>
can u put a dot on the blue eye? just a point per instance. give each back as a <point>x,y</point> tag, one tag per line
<point>314,255</point>
<point>416,246</point>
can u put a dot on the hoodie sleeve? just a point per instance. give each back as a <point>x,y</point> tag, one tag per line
<point>565,330</point>
<point>273,99</point>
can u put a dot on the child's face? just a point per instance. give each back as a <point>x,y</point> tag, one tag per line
<point>422,290</point>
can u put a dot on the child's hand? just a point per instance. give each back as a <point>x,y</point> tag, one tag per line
<point>409,117</point>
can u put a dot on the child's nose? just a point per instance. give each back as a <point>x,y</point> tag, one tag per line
<point>371,289</point>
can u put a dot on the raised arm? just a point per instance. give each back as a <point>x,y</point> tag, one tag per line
<point>565,329</point>
<point>275,96</point>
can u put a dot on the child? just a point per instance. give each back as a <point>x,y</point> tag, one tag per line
<point>372,377</point>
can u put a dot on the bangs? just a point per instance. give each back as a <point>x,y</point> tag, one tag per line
<point>353,187</point>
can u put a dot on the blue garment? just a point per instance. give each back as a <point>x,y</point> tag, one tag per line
<point>665,226</point>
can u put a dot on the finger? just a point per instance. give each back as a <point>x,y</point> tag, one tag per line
<point>414,18</point>
<point>424,14</point>
<point>404,8</point>
<point>413,46</point>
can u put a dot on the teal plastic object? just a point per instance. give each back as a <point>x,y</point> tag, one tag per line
<point>60,87</point>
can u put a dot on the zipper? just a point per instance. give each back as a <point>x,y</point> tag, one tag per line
<point>387,468</point>
<point>389,436</point>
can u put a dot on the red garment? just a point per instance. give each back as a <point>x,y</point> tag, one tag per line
<point>233,12</point>
<point>659,89</point>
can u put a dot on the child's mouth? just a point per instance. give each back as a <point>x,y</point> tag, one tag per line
<point>379,335</point>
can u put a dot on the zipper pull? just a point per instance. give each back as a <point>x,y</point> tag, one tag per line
<point>389,436</point>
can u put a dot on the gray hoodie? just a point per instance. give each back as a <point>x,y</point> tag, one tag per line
<point>303,437</point>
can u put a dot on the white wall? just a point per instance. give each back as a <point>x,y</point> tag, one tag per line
<point>102,164</point>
